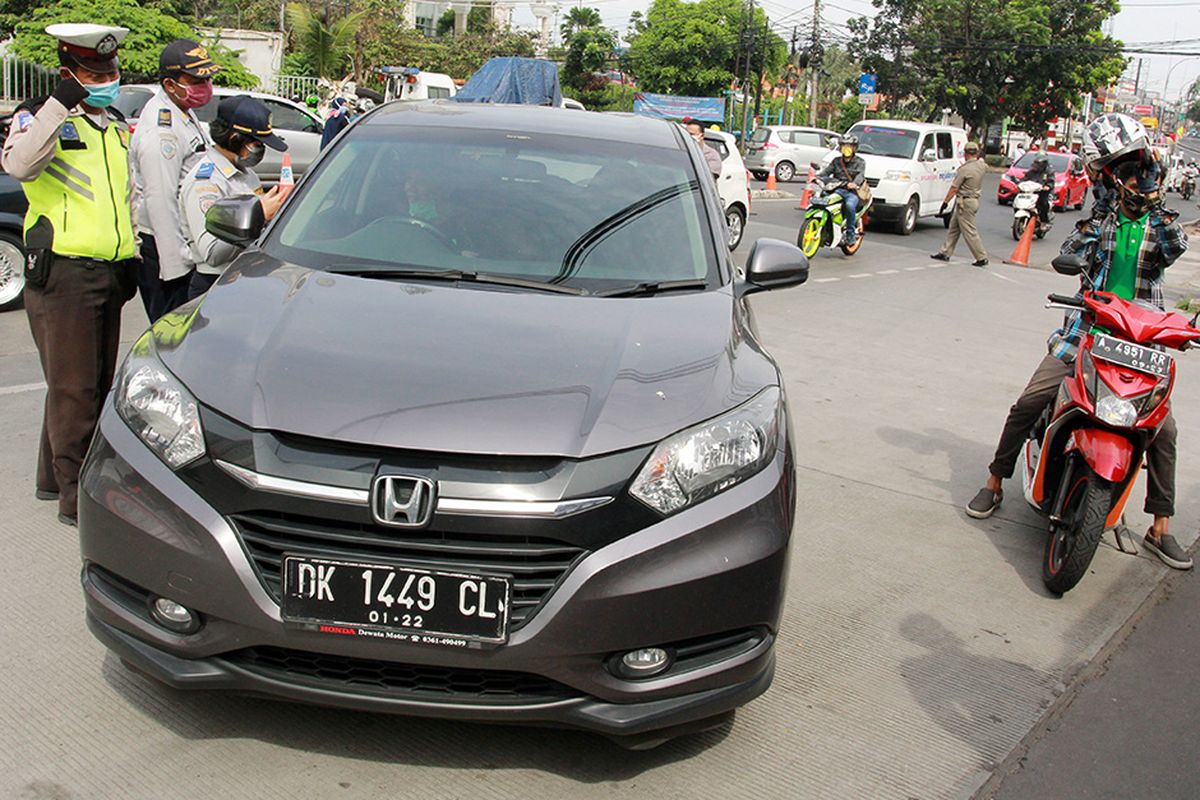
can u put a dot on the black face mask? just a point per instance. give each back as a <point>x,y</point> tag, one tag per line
<point>253,158</point>
<point>1135,203</point>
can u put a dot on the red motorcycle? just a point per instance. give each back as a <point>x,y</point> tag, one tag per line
<point>1079,463</point>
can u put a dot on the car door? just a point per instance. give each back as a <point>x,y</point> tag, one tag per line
<point>302,133</point>
<point>947,167</point>
<point>809,148</point>
<point>926,173</point>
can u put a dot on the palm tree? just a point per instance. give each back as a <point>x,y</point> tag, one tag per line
<point>579,18</point>
<point>326,47</point>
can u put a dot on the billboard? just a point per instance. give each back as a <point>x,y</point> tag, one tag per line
<point>669,106</point>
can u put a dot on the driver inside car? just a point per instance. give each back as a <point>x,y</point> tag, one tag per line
<point>1128,250</point>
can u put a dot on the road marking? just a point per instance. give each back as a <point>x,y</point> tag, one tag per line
<point>827,280</point>
<point>913,269</point>
<point>936,266</point>
<point>860,275</point>
<point>1002,277</point>
<point>888,272</point>
<point>24,387</point>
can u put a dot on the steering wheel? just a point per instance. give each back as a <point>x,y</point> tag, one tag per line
<point>433,230</point>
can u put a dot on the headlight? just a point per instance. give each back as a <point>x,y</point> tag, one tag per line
<point>897,175</point>
<point>697,463</point>
<point>158,408</point>
<point>1116,411</point>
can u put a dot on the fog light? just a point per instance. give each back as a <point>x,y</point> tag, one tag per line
<point>170,614</point>
<point>645,662</point>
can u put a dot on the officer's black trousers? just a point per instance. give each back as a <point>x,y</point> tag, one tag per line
<point>158,296</point>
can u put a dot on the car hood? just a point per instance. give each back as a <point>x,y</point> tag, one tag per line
<point>459,368</point>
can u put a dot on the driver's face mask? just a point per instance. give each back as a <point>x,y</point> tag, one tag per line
<point>847,152</point>
<point>1135,203</point>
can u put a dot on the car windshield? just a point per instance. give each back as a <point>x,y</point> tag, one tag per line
<point>879,140</point>
<point>1058,161</point>
<point>585,213</point>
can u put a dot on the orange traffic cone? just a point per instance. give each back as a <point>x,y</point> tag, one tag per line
<point>771,185</point>
<point>287,180</point>
<point>1020,254</point>
<point>806,198</point>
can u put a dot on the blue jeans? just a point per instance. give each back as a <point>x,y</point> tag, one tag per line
<point>850,203</point>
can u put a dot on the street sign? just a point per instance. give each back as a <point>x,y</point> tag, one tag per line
<point>867,83</point>
<point>1143,111</point>
<point>1150,122</point>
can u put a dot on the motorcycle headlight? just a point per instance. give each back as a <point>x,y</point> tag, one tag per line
<point>158,408</point>
<point>697,463</point>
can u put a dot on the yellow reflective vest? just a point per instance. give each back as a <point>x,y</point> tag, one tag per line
<point>85,192</point>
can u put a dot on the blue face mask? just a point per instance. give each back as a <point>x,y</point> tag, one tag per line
<point>100,95</point>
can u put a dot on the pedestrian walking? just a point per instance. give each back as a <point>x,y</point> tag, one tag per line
<point>241,132</point>
<point>968,188</point>
<point>70,152</point>
<point>166,145</point>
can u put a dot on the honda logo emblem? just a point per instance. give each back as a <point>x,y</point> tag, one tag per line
<point>402,501</point>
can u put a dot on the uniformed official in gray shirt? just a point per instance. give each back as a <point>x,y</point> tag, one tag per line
<point>168,142</point>
<point>968,188</point>
<point>240,133</point>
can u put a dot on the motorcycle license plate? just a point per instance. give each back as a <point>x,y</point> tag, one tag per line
<point>1133,356</point>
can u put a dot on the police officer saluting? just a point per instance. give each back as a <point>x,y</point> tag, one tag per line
<point>241,133</point>
<point>71,154</point>
<point>166,145</point>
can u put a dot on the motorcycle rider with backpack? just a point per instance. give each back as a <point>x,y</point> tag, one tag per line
<point>1128,249</point>
<point>851,168</point>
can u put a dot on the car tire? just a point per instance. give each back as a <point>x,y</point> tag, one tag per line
<point>12,272</point>
<point>908,219</point>
<point>784,171</point>
<point>759,176</point>
<point>735,222</point>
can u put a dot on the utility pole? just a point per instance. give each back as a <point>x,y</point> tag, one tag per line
<point>1137,81</point>
<point>787,92</point>
<point>758,76</point>
<point>814,64</point>
<point>749,30</point>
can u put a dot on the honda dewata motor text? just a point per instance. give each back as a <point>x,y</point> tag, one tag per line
<point>1025,209</point>
<point>1081,458</point>
<point>825,221</point>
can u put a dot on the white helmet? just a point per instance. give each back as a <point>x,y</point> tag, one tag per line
<point>1110,137</point>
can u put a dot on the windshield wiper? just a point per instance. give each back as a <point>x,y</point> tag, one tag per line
<point>454,275</point>
<point>654,287</point>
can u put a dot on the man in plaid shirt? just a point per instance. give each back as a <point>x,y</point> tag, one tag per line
<point>1128,248</point>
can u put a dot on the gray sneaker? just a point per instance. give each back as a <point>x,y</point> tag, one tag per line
<point>1168,551</point>
<point>984,504</point>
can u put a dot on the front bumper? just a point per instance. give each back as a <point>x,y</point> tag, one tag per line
<point>716,568</point>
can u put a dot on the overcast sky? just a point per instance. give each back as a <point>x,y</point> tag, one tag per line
<point>1140,21</point>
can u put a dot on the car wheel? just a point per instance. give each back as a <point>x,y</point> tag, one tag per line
<point>784,171</point>
<point>908,220</point>
<point>12,272</point>
<point>735,221</point>
<point>759,176</point>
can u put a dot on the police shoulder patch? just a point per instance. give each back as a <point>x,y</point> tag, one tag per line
<point>205,170</point>
<point>68,131</point>
<point>24,120</point>
<point>168,147</point>
<point>164,117</point>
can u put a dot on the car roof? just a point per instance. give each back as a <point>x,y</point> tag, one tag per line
<point>619,127</point>
<point>224,91</point>
<point>808,128</point>
<point>904,124</point>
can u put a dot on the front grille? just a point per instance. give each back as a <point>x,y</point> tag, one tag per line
<point>392,679</point>
<point>536,565</point>
<point>872,181</point>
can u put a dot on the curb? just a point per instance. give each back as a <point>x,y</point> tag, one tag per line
<point>1083,676</point>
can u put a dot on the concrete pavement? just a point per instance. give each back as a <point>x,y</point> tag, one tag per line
<point>918,649</point>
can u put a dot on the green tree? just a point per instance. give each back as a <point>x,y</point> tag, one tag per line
<point>464,54</point>
<point>150,30</point>
<point>987,59</point>
<point>445,23</point>
<point>327,47</point>
<point>588,53</point>
<point>577,19</point>
<point>691,48</point>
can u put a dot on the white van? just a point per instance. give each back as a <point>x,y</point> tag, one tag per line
<point>411,83</point>
<point>910,166</point>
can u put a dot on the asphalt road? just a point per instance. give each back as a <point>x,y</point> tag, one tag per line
<point>918,647</point>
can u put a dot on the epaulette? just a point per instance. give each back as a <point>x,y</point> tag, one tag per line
<point>205,170</point>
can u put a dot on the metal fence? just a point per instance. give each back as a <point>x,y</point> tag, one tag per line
<point>23,79</point>
<point>289,86</point>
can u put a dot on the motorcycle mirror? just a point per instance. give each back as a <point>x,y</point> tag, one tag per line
<point>1069,264</point>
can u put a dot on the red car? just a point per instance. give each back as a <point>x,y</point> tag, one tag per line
<point>1070,180</point>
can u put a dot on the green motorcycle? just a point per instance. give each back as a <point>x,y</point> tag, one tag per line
<point>825,225</point>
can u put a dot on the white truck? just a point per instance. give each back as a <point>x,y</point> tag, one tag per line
<point>412,83</point>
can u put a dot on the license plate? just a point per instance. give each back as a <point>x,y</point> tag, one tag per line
<point>1134,356</point>
<point>358,598</point>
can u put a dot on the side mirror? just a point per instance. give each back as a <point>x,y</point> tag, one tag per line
<point>773,264</point>
<point>929,155</point>
<point>237,220</point>
<point>835,142</point>
<point>1069,264</point>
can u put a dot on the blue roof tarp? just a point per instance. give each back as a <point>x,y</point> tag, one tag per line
<point>529,81</point>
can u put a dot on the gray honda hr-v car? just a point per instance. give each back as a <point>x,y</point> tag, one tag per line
<point>478,427</point>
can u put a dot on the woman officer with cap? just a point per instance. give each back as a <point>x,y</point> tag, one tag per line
<point>241,133</point>
<point>70,153</point>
